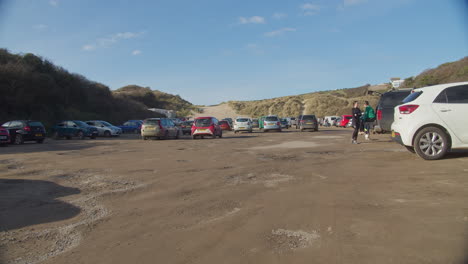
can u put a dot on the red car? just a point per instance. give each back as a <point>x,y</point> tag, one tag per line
<point>345,120</point>
<point>4,136</point>
<point>225,125</point>
<point>206,126</point>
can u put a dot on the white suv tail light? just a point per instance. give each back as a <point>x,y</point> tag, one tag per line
<point>407,109</point>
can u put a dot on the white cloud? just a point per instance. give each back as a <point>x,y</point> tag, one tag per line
<point>54,2</point>
<point>279,15</point>
<point>279,32</point>
<point>110,40</point>
<point>353,2</point>
<point>252,20</point>
<point>40,27</point>
<point>310,9</point>
<point>136,52</point>
<point>88,47</point>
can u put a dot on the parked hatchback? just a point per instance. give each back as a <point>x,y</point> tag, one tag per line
<point>428,121</point>
<point>73,128</point>
<point>160,128</point>
<point>385,109</point>
<point>271,122</point>
<point>25,130</point>
<point>131,126</point>
<point>307,122</point>
<point>243,124</point>
<point>186,127</point>
<point>206,126</point>
<point>345,119</point>
<point>104,128</point>
<point>225,125</point>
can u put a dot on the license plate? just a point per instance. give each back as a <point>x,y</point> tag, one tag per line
<point>393,134</point>
<point>202,130</point>
<point>309,123</point>
<point>241,127</point>
<point>3,137</point>
<point>38,135</point>
<point>150,128</point>
<point>271,124</point>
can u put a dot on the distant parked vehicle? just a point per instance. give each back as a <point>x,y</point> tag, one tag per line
<point>25,130</point>
<point>284,123</point>
<point>330,119</point>
<point>224,124</point>
<point>428,120</point>
<point>230,121</point>
<point>4,136</point>
<point>337,122</point>
<point>292,121</point>
<point>385,110</point>
<point>131,126</point>
<point>345,119</point>
<point>186,127</point>
<point>307,122</point>
<point>160,128</point>
<point>206,127</point>
<point>255,123</point>
<point>73,128</point>
<point>104,128</point>
<point>243,124</point>
<point>271,122</point>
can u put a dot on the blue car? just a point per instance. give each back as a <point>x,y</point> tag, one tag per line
<point>73,128</point>
<point>131,126</point>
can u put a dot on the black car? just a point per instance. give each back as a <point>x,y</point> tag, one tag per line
<point>186,127</point>
<point>307,122</point>
<point>385,109</point>
<point>25,130</point>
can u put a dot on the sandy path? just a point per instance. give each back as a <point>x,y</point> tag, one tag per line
<point>219,111</point>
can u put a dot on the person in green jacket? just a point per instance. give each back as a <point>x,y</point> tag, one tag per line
<point>368,118</point>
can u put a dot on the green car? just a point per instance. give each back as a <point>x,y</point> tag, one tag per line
<point>73,128</point>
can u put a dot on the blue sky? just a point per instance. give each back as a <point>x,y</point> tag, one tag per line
<point>209,51</point>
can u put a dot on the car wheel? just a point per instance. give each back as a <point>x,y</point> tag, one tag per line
<point>135,131</point>
<point>194,137</point>
<point>177,135</point>
<point>19,139</point>
<point>144,138</point>
<point>221,134</point>
<point>431,143</point>
<point>264,130</point>
<point>107,133</point>
<point>68,137</point>
<point>40,141</point>
<point>92,137</point>
<point>302,130</point>
<point>80,135</point>
<point>166,135</point>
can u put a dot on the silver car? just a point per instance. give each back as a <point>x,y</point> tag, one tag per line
<point>271,122</point>
<point>105,128</point>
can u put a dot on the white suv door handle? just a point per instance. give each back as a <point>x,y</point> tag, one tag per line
<point>445,110</point>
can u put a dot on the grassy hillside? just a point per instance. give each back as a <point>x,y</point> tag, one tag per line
<point>456,71</point>
<point>336,102</point>
<point>155,99</point>
<point>34,88</point>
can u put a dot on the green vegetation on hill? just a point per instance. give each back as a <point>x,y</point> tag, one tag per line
<point>449,72</point>
<point>34,88</point>
<point>335,102</point>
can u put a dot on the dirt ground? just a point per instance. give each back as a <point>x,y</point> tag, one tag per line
<point>287,197</point>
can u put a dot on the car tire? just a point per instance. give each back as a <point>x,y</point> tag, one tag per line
<point>302,130</point>
<point>166,135</point>
<point>177,135</point>
<point>68,137</point>
<point>144,138</point>
<point>80,135</point>
<point>107,133</point>
<point>40,141</point>
<point>92,137</point>
<point>220,134</point>
<point>19,139</point>
<point>431,143</point>
<point>135,131</point>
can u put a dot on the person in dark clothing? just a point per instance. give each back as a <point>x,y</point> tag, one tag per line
<point>356,112</point>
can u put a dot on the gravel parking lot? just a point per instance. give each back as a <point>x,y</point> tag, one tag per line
<point>287,197</point>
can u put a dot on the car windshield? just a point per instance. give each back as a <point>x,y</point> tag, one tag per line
<point>308,117</point>
<point>152,122</point>
<point>203,122</point>
<point>105,123</point>
<point>81,123</point>
<point>242,120</point>
<point>392,99</point>
<point>35,123</point>
<point>412,97</point>
<point>271,118</point>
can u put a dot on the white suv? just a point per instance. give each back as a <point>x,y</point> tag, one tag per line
<point>432,120</point>
<point>243,124</point>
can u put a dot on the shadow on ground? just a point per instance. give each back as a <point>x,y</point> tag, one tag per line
<point>30,202</point>
<point>50,145</point>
